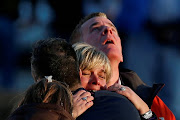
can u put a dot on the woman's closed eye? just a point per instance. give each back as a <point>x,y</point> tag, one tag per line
<point>86,73</point>
<point>102,75</point>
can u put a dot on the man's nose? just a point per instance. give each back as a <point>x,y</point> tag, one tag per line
<point>95,80</point>
<point>107,30</point>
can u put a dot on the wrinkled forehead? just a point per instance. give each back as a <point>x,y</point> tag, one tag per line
<point>96,21</point>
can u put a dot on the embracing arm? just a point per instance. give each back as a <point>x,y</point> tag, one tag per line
<point>80,105</point>
<point>140,105</point>
<point>161,110</point>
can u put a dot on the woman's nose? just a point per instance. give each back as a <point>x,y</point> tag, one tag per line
<point>95,80</point>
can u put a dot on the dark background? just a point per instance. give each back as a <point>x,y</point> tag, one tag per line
<point>149,30</point>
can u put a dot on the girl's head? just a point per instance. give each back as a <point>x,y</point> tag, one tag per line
<point>53,92</point>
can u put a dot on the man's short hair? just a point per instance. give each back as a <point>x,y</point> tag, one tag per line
<point>76,34</point>
<point>56,57</point>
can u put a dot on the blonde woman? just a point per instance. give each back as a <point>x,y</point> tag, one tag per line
<point>94,65</point>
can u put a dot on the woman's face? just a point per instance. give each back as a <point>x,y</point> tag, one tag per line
<point>94,79</point>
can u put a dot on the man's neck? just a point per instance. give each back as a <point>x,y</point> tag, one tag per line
<point>115,74</point>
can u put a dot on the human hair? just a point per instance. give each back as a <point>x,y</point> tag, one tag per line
<point>56,57</point>
<point>54,92</point>
<point>76,34</point>
<point>89,57</point>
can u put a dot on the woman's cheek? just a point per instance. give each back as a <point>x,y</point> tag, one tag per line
<point>84,82</point>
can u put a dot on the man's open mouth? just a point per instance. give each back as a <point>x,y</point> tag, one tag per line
<point>109,42</point>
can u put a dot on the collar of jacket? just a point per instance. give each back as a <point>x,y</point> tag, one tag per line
<point>132,80</point>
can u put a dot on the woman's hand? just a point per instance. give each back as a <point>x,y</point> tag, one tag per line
<point>82,100</point>
<point>141,106</point>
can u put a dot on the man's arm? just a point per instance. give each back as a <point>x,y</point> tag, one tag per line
<point>161,110</point>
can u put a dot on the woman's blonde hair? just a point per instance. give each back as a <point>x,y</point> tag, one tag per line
<point>89,57</point>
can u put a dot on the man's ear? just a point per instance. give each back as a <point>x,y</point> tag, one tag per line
<point>80,73</point>
<point>121,59</point>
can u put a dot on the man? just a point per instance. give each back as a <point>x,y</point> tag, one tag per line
<point>97,30</point>
<point>56,57</point>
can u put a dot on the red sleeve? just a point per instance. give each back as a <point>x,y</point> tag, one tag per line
<point>161,110</point>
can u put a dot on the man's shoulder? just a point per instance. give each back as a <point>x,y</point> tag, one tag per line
<point>110,106</point>
<point>124,72</point>
<point>106,93</point>
<point>130,78</point>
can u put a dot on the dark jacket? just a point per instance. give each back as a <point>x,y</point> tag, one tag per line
<point>110,106</point>
<point>131,79</point>
<point>40,112</point>
<point>147,93</point>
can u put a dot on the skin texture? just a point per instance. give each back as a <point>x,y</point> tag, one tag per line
<point>101,33</point>
<point>90,80</point>
<point>79,105</point>
<point>94,79</point>
<point>97,31</point>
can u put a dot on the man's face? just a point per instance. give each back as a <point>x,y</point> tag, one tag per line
<point>94,79</point>
<point>101,33</point>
